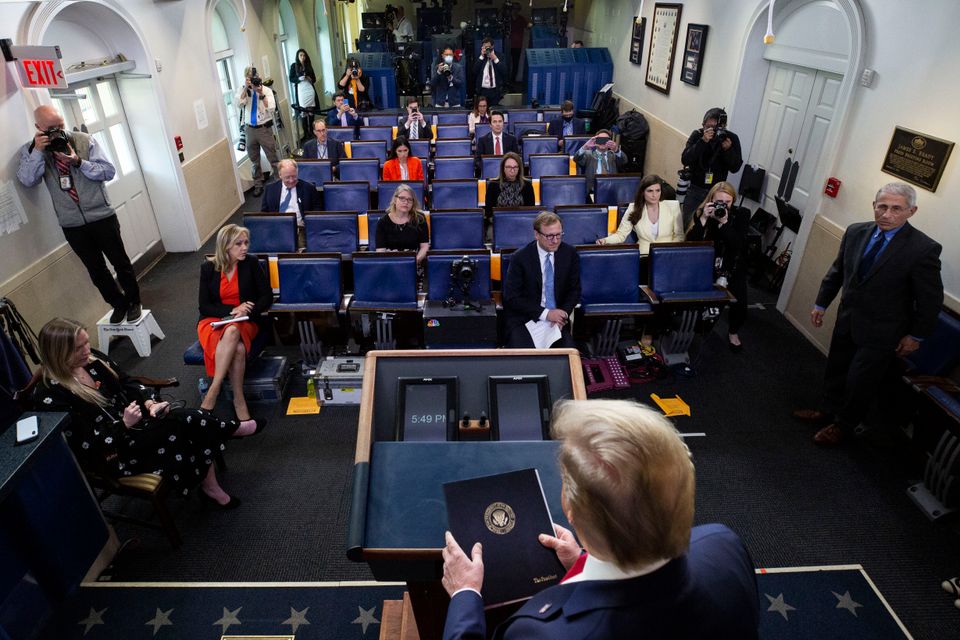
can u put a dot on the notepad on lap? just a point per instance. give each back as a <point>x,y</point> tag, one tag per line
<point>228,320</point>
<point>505,513</point>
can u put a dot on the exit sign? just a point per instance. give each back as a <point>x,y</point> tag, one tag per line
<point>39,67</point>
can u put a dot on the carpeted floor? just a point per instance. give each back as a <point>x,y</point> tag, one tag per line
<point>757,471</point>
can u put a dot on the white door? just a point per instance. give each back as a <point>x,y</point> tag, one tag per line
<point>100,112</point>
<point>798,106</point>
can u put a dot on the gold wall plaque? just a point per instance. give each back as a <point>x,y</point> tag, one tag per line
<point>917,158</point>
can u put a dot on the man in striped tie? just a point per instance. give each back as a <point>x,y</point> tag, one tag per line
<point>640,569</point>
<point>75,169</point>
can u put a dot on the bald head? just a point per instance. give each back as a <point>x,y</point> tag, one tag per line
<point>47,117</point>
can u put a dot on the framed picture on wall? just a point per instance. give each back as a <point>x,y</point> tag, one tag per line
<point>636,41</point>
<point>663,45</point>
<point>693,53</point>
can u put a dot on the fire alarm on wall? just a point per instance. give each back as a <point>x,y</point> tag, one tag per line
<point>833,187</point>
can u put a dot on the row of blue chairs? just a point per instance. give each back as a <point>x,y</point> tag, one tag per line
<point>516,119</point>
<point>448,167</point>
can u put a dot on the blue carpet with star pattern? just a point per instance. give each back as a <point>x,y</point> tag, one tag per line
<point>816,602</point>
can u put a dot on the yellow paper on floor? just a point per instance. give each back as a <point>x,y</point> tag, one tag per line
<point>302,406</point>
<point>671,406</point>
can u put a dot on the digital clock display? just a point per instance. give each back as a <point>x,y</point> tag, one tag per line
<point>425,412</point>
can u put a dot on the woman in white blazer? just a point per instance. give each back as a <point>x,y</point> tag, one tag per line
<point>651,219</point>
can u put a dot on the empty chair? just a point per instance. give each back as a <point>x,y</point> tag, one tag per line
<point>315,171</point>
<point>421,149</point>
<point>610,291</point>
<point>453,147</point>
<point>456,229</point>
<point>341,134</point>
<point>272,232</point>
<point>309,283</point>
<point>571,144</point>
<point>360,170</point>
<point>480,129</point>
<point>332,232</point>
<point>384,281</point>
<point>540,145</point>
<point>616,189</point>
<point>525,128</point>
<point>549,164</point>
<point>451,117</point>
<point>373,217</point>
<point>454,168</point>
<point>490,167</point>
<point>454,194</point>
<point>559,190</point>
<point>583,224</point>
<point>447,131</point>
<point>513,228</point>
<point>346,196</point>
<point>520,117</point>
<point>438,275</point>
<point>386,188</point>
<point>382,120</point>
<point>369,149</point>
<point>549,114</point>
<point>376,133</point>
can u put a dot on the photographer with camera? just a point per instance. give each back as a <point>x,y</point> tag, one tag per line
<point>447,81</point>
<point>415,125</point>
<point>75,171</point>
<point>726,225</point>
<point>258,124</point>
<point>342,114</point>
<point>351,83</point>
<point>599,155</point>
<point>712,152</point>
<point>490,73</point>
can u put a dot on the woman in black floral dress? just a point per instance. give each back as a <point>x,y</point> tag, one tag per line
<point>118,428</point>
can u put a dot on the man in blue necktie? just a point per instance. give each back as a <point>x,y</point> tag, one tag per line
<point>257,105</point>
<point>892,291</point>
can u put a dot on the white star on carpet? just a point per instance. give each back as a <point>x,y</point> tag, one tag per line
<point>93,619</point>
<point>846,602</point>
<point>296,619</point>
<point>366,618</point>
<point>777,604</point>
<point>160,619</point>
<point>227,619</point>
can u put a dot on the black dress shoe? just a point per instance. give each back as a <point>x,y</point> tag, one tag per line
<point>134,313</point>
<point>261,425</point>
<point>118,314</point>
<point>736,348</point>
<point>258,191</point>
<point>232,504</point>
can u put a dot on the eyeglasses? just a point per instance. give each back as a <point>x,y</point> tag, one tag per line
<point>895,209</point>
<point>552,237</point>
<point>404,199</point>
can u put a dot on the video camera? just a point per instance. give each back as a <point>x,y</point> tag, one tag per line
<point>255,78</point>
<point>58,140</point>
<point>462,274</point>
<point>721,130</point>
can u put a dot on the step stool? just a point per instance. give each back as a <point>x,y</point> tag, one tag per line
<point>139,332</point>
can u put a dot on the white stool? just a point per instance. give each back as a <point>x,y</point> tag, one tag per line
<point>139,332</point>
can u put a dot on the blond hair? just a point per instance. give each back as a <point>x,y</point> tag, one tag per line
<point>545,219</point>
<point>227,235</point>
<point>628,480</point>
<point>57,342</point>
<point>416,216</point>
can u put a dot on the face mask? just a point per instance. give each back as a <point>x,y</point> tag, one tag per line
<point>448,59</point>
<point>567,118</point>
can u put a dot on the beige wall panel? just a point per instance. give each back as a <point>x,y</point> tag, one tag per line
<point>663,147</point>
<point>822,248</point>
<point>212,187</point>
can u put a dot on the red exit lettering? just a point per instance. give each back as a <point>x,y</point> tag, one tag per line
<point>40,72</point>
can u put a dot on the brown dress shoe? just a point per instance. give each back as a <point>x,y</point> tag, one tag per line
<point>811,415</point>
<point>830,436</point>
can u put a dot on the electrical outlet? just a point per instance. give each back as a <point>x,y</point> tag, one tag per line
<point>866,78</point>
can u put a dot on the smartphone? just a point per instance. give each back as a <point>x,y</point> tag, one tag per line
<point>27,430</point>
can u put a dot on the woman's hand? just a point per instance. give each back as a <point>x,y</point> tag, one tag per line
<point>601,241</point>
<point>132,415</point>
<point>242,309</point>
<point>157,409</point>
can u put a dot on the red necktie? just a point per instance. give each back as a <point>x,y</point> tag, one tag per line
<point>576,569</point>
<point>496,146</point>
<point>64,168</point>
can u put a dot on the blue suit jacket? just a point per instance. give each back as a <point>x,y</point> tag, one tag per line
<point>710,592</point>
<point>307,197</point>
<point>555,127</point>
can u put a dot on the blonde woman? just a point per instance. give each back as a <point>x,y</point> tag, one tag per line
<point>650,218</point>
<point>404,228</point>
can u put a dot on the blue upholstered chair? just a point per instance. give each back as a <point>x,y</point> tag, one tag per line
<point>346,196</point>
<point>341,134</point>
<point>523,129</point>
<point>454,147</point>
<point>540,145</point>
<point>384,281</point>
<point>448,131</point>
<point>369,149</point>
<point>454,168</point>
<point>490,167</point>
<point>376,133</point>
<point>271,232</point>
<point>373,218</point>
<point>480,129</point>
<point>682,272</point>
<point>571,144</point>
<point>438,274</point>
<point>616,189</point>
<point>452,117</point>
<point>361,170</point>
<point>583,224</point>
<point>332,232</point>
<point>421,149</point>
<point>453,194</point>
<point>382,120</point>
<point>561,190</point>
<point>309,283</point>
<point>385,189</point>
<point>520,117</point>
<point>939,353</point>
<point>315,171</point>
<point>610,281</point>
<point>549,164</point>
<point>456,229</point>
<point>513,227</point>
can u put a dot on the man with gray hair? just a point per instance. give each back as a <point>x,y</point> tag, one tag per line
<point>640,568</point>
<point>892,291</point>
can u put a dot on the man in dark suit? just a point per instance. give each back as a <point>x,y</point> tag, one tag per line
<point>497,142</point>
<point>342,114</point>
<point>322,148</point>
<point>599,155</point>
<point>291,195</point>
<point>490,73</point>
<point>414,125</point>
<point>892,291</point>
<point>645,572</point>
<point>566,124</point>
<point>542,286</point>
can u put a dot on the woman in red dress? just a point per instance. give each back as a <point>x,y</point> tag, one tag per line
<point>230,287</point>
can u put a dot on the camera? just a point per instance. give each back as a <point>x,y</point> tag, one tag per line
<point>446,70</point>
<point>721,129</point>
<point>601,141</point>
<point>462,274</point>
<point>719,209</point>
<point>255,78</point>
<point>58,140</point>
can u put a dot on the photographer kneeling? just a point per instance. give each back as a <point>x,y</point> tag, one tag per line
<point>718,220</point>
<point>447,81</point>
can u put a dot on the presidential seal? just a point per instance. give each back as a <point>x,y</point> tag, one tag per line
<point>499,518</point>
